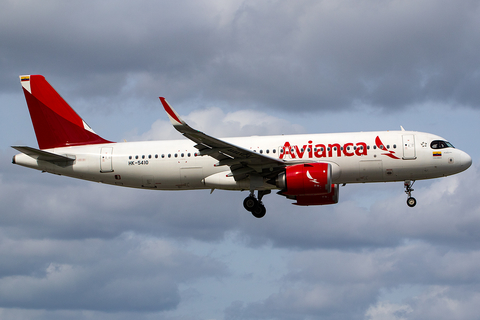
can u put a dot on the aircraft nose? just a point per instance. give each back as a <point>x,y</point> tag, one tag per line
<point>465,160</point>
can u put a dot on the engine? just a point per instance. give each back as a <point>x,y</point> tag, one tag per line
<point>309,184</point>
<point>318,200</point>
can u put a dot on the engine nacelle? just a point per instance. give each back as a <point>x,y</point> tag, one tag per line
<point>318,200</point>
<point>306,179</point>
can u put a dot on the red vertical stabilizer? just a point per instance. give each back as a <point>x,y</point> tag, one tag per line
<point>56,124</point>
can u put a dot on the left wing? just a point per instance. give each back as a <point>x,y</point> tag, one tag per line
<point>240,160</point>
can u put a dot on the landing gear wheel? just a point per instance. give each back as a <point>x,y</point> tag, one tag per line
<point>250,203</point>
<point>411,202</point>
<point>259,211</point>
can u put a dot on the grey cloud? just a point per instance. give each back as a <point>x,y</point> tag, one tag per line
<point>303,55</point>
<point>96,274</point>
<point>334,284</point>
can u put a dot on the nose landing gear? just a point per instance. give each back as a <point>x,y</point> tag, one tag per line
<point>254,205</point>
<point>411,201</point>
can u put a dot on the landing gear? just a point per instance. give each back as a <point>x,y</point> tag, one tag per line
<point>411,201</point>
<point>254,205</point>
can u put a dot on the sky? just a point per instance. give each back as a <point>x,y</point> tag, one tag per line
<point>74,249</point>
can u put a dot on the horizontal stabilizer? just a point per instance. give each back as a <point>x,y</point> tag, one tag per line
<point>43,155</point>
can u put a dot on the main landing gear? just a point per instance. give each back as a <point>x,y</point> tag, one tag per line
<point>411,201</point>
<point>254,205</point>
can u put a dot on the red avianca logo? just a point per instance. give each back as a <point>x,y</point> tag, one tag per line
<point>380,145</point>
<point>349,149</point>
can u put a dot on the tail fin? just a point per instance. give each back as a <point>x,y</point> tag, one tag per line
<point>56,124</point>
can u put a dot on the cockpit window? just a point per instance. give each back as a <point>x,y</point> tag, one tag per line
<point>440,144</point>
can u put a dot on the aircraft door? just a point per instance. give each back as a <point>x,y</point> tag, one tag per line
<point>409,147</point>
<point>106,160</point>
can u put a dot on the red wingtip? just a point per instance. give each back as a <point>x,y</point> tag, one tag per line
<point>171,113</point>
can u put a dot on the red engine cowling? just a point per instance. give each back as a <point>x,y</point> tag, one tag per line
<point>307,179</point>
<point>317,200</point>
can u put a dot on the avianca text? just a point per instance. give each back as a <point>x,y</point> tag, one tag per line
<point>323,151</point>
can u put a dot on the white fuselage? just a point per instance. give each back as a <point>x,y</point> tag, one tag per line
<point>176,165</point>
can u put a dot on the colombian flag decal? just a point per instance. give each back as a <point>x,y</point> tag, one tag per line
<point>25,78</point>
<point>437,153</point>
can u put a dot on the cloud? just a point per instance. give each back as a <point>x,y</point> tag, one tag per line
<point>96,274</point>
<point>282,55</point>
<point>214,122</point>
<point>323,282</point>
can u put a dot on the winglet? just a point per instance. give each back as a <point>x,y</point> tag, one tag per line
<point>174,117</point>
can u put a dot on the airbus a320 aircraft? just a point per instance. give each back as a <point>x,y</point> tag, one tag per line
<point>307,168</point>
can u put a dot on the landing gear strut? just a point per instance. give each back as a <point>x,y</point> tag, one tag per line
<point>254,205</point>
<point>411,201</point>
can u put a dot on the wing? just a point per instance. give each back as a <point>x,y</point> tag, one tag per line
<point>240,160</point>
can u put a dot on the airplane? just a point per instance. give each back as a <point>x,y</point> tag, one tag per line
<point>306,168</point>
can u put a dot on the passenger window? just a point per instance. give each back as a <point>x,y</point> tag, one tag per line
<point>136,157</point>
<point>130,157</point>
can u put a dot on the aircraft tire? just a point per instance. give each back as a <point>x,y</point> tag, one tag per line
<point>411,202</point>
<point>259,211</point>
<point>250,203</point>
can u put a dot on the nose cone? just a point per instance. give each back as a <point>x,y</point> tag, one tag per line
<point>464,161</point>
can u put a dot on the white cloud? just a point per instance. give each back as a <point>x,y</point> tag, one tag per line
<point>388,311</point>
<point>213,121</point>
